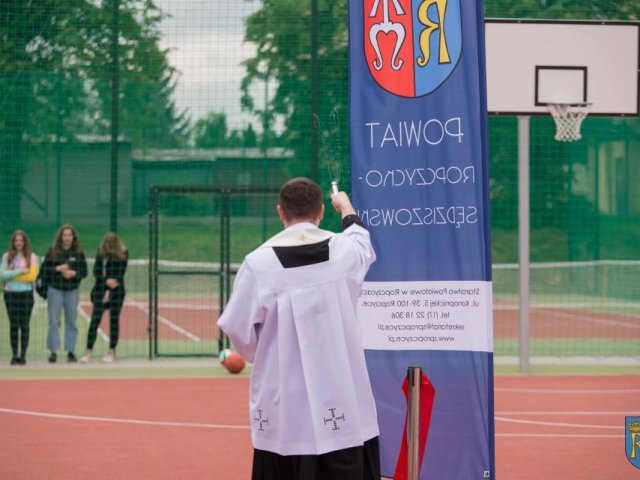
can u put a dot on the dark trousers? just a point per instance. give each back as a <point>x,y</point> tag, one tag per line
<point>19,306</point>
<point>356,463</point>
<point>115,307</point>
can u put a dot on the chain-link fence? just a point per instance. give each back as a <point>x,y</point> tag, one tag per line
<point>102,100</point>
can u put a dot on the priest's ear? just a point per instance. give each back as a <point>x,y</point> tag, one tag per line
<point>321,214</point>
<point>283,218</point>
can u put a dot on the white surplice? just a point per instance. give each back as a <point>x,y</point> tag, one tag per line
<point>310,391</point>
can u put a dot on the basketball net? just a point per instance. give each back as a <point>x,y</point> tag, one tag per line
<point>568,118</point>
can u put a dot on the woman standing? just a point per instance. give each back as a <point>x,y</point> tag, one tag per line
<point>108,292</point>
<point>64,268</point>
<point>19,270</point>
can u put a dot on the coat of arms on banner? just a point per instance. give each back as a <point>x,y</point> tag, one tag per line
<point>632,440</point>
<point>412,47</point>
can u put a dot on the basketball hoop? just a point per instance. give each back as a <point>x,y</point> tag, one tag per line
<point>568,118</point>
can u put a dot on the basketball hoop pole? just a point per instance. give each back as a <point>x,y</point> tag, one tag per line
<point>523,238</point>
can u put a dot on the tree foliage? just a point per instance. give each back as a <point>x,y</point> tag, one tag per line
<point>147,81</point>
<point>565,9</point>
<point>55,80</point>
<point>212,132</point>
<point>281,32</point>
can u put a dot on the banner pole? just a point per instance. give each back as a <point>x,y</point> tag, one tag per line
<point>413,423</point>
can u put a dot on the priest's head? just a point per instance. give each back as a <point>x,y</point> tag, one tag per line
<point>300,201</point>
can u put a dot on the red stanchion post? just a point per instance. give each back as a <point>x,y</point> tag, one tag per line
<point>414,376</point>
<point>420,395</point>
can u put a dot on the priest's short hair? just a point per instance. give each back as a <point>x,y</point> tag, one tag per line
<point>300,198</point>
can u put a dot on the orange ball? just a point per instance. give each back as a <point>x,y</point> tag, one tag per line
<point>232,361</point>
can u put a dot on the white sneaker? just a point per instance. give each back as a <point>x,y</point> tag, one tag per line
<point>109,358</point>
<point>86,358</point>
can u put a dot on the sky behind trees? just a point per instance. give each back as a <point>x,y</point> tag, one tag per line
<point>206,42</point>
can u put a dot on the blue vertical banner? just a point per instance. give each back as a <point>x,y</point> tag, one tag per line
<point>419,178</point>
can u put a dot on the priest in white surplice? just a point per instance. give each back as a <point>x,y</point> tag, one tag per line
<point>292,314</point>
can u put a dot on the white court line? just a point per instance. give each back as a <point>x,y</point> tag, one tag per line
<point>558,435</point>
<point>84,315</point>
<point>543,265</point>
<point>587,317</point>
<point>183,306</point>
<point>122,420</point>
<point>591,414</point>
<point>566,305</point>
<point>558,424</point>
<point>245,427</point>
<point>168,323</point>
<point>552,390</point>
<point>602,321</point>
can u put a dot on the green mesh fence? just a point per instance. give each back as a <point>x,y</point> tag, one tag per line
<point>224,94</point>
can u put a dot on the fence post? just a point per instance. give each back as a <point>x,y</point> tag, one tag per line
<point>115,100</point>
<point>314,90</point>
<point>152,328</point>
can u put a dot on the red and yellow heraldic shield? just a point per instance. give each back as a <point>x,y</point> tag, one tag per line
<point>412,47</point>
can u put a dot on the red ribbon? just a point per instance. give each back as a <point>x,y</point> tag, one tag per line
<point>427,395</point>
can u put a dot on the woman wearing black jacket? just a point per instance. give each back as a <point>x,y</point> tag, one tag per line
<point>108,292</point>
<point>63,269</point>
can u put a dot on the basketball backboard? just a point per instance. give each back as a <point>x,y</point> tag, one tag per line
<point>534,62</point>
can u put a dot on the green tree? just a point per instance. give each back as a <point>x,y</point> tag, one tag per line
<point>566,9</point>
<point>30,72</point>
<point>211,131</point>
<point>239,138</point>
<point>249,137</point>
<point>281,32</point>
<point>55,79</point>
<point>147,116</point>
